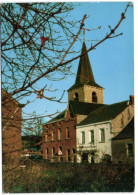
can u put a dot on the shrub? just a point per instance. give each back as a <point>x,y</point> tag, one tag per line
<point>46,177</point>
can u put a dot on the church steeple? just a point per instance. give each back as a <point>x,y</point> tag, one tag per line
<point>85,89</point>
<point>84,73</point>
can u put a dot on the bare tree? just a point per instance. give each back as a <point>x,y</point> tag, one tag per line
<point>35,40</point>
<point>33,126</point>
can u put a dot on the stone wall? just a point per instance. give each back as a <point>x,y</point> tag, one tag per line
<point>80,92</point>
<point>80,118</point>
<point>119,150</point>
<point>88,94</point>
<point>85,94</point>
<point>120,121</point>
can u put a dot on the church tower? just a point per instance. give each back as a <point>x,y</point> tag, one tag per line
<point>85,89</point>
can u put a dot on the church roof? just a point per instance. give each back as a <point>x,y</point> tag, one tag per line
<point>104,113</point>
<point>76,107</point>
<point>84,73</point>
<point>82,108</point>
<point>127,131</point>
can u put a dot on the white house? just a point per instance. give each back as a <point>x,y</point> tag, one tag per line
<point>94,141</point>
<point>94,134</point>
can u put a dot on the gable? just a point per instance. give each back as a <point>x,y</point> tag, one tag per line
<point>59,117</point>
<point>127,131</point>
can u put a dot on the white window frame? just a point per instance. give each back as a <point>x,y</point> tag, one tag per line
<point>90,136</point>
<point>83,139</point>
<point>100,133</point>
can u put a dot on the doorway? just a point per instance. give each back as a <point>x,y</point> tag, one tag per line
<point>84,158</point>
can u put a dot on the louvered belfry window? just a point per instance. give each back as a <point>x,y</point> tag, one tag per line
<point>94,97</point>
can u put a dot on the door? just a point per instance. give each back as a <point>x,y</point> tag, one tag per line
<point>84,158</point>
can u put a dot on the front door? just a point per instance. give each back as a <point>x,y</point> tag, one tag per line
<point>84,158</point>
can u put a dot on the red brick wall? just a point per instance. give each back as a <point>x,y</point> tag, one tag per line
<point>65,143</point>
<point>11,129</point>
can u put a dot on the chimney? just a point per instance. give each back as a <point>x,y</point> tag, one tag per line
<point>131,99</point>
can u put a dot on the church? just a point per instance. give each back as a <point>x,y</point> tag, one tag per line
<point>84,131</point>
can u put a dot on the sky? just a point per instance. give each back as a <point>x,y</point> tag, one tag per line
<point>112,62</point>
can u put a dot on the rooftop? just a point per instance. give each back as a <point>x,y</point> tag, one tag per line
<point>127,131</point>
<point>76,107</point>
<point>104,113</point>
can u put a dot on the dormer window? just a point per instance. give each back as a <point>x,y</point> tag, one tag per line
<point>94,97</point>
<point>76,96</point>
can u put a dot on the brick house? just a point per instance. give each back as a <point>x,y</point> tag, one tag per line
<point>85,106</point>
<point>11,128</point>
<point>123,144</point>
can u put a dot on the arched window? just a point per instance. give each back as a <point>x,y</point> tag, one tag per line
<point>94,97</point>
<point>76,96</point>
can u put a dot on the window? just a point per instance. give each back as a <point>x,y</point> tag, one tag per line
<point>92,136</point>
<point>60,150</point>
<point>94,97</point>
<point>83,137</point>
<point>59,134</point>
<point>46,137</point>
<point>74,155</point>
<point>76,96</point>
<point>67,133</point>
<point>53,152</point>
<point>68,155</point>
<point>53,136</point>
<point>102,135</point>
<point>60,158</point>
<point>129,150</point>
<point>46,153</point>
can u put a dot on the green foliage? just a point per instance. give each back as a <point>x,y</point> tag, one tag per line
<point>70,178</point>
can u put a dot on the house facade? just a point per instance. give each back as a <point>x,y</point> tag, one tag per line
<point>95,133</point>
<point>11,128</point>
<point>59,139</point>
<point>123,144</point>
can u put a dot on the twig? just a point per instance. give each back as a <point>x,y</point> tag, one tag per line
<point>68,61</point>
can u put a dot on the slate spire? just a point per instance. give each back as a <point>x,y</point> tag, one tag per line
<point>84,73</point>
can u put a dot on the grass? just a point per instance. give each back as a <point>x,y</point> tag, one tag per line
<point>44,177</point>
